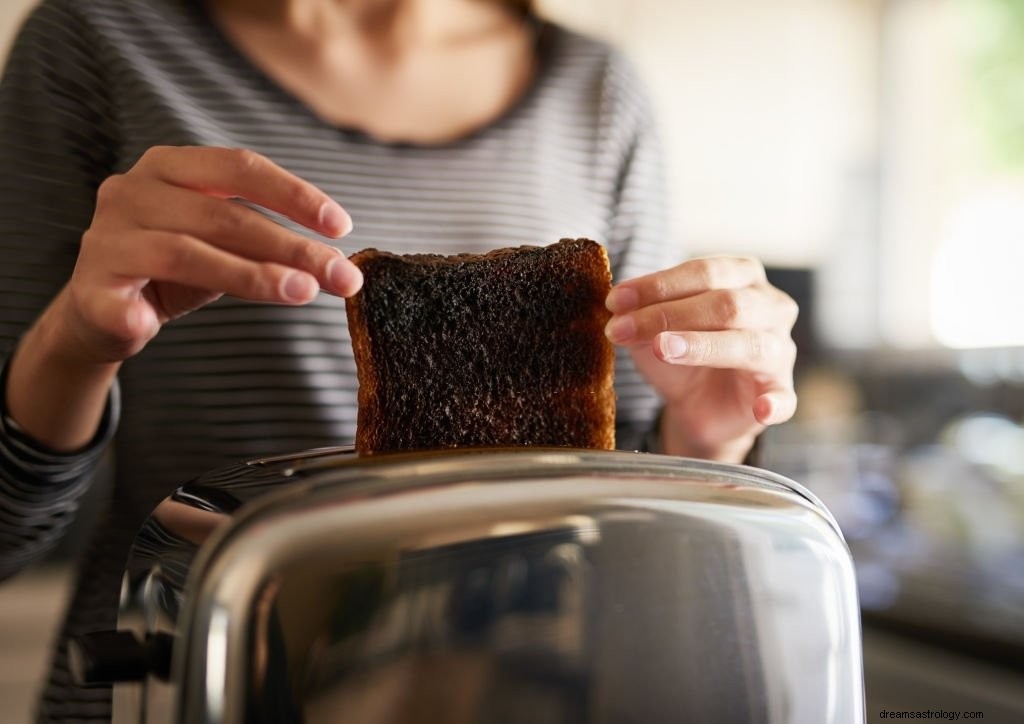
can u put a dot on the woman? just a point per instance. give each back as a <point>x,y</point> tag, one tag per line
<point>148,301</point>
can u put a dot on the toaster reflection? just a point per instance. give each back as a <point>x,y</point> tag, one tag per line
<point>513,586</point>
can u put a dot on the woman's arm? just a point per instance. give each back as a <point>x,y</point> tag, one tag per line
<point>52,396</point>
<point>56,137</point>
<point>97,263</point>
<point>166,238</point>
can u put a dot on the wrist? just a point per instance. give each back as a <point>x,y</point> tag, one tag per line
<point>55,392</point>
<point>58,342</point>
<point>674,441</point>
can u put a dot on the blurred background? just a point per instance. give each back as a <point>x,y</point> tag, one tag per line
<point>871,152</point>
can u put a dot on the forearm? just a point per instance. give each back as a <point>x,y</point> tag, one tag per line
<point>53,394</point>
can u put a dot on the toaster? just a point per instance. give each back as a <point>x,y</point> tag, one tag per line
<point>485,586</point>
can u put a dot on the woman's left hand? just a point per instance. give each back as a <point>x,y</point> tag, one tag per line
<point>713,338</point>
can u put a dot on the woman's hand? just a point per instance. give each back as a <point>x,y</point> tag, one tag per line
<point>166,238</point>
<point>169,236</point>
<point>713,337</point>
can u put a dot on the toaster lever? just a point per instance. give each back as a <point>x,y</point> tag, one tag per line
<point>106,657</point>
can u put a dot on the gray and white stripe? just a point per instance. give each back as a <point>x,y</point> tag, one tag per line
<point>91,84</point>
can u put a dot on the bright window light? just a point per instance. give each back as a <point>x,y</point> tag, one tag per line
<point>977,282</point>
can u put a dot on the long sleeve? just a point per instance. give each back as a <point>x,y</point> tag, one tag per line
<point>91,85</point>
<point>55,143</point>
<point>639,243</point>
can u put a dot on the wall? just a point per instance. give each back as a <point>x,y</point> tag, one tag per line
<point>768,110</point>
<point>11,14</point>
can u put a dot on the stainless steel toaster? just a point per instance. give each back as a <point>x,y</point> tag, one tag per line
<point>486,586</point>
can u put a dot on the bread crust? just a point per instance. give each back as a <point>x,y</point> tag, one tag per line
<point>484,350</point>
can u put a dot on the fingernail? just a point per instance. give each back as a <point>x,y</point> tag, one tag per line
<point>345,277</point>
<point>673,346</point>
<point>622,299</point>
<point>620,329</point>
<point>334,219</point>
<point>299,287</point>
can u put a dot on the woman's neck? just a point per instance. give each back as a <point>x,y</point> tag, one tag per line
<point>388,23</point>
<point>427,71</point>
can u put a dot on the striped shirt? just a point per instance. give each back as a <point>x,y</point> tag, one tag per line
<point>90,85</point>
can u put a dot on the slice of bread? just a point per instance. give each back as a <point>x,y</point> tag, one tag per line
<point>498,349</point>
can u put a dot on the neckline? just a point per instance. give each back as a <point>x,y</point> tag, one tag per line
<point>546,36</point>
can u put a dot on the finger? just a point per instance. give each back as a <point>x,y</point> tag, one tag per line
<point>749,350</point>
<point>183,259</point>
<point>719,309</point>
<point>232,172</point>
<point>775,407</point>
<point>241,231</point>
<point>685,280</point>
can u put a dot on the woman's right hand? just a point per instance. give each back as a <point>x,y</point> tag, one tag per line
<point>170,236</point>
